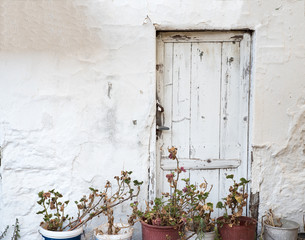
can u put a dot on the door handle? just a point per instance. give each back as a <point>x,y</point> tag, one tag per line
<point>159,124</point>
<point>162,128</point>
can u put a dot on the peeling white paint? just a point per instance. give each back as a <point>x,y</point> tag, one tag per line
<point>62,126</point>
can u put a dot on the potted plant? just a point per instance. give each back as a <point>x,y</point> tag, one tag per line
<point>175,212</point>
<point>277,228</point>
<point>200,224</point>
<point>235,226</point>
<point>165,217</point>
<point>59,225</point>
<point>114,230</point>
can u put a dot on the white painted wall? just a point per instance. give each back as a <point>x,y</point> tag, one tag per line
<point>76,74</point>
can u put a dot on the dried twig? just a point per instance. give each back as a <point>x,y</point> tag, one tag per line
<point>272,220</point>
<point>96,203</point>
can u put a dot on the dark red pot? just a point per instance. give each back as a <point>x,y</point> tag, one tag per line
<point>152,232</point>
<point>245,231</point>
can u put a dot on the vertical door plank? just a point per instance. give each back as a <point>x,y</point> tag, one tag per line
<point>164,184</point>
<point>245,71</point>
<point>229,113</point>
<point>181,98</point>
<point>155,174</point>
<point>234,114</point>
<point>183,175</point>
<point>205,101</point>
<point>181,184</point>
<point>224,184</point>
<point>168,96</point>
<point>211,176</point>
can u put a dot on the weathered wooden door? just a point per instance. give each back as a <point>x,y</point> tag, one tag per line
<point>203,84</point>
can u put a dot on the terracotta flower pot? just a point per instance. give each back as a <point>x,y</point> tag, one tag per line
<point>152,232</point>
<point>245,231</point>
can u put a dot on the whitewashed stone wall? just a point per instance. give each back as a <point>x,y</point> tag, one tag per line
<point>77,95</point>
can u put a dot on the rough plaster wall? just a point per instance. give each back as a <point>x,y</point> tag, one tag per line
<point>279,174</point>
<point>76,74</point>
<point>72,89</point>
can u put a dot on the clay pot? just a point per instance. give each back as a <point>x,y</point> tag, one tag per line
<point>245,231</point>
<point>152,232</point>
<point>61,235</point>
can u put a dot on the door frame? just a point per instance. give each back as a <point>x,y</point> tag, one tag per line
<point>154,158</point>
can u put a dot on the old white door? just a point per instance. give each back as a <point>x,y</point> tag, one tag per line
<point>203,84</point>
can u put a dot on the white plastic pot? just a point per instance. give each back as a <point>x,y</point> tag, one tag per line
<point>61,235</point>
<point>124,234</point>
<point>289,230</point>
<point>207,236</point>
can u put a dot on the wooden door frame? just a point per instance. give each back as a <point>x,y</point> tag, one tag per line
<point>154,161</point>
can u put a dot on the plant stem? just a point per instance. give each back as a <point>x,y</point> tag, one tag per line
<point>16,230</point>
<point>103,210</point>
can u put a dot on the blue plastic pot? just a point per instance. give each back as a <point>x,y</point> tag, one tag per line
<point>64,235</point>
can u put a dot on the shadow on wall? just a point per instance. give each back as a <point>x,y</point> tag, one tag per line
<point>47,25</point>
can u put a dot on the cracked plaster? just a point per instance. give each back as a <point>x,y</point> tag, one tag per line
<point>278,174</point>
<point>61,126</point>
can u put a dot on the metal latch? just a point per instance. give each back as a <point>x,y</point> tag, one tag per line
<point>160,126</point>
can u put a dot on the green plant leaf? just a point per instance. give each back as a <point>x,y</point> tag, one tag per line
<point>41,212</point>
<point>231,176</point>
<point>244,181</point>
<point>219,205</point>
<point>210,204</point>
